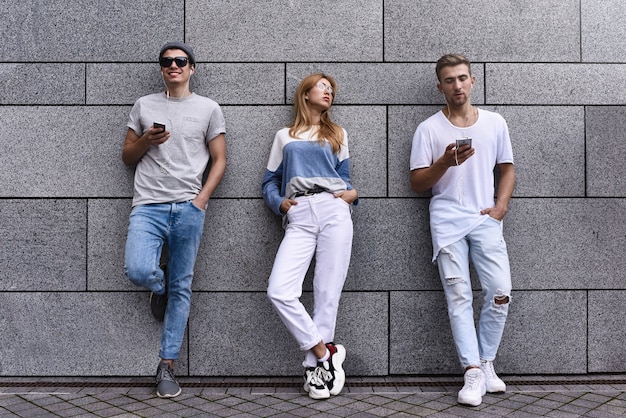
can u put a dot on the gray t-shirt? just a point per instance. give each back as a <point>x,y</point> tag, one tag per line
<point>172,171</point>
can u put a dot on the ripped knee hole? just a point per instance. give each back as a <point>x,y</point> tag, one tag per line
<point>454,280</point>
<point>501,299</point>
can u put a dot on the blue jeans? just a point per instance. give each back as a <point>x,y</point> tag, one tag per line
<point>487,249</point>
<point>180,226</point>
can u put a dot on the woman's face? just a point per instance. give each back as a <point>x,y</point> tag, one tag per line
<point>321,95</point>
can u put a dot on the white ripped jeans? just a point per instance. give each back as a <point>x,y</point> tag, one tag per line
<point>486,247</point>
<point>319,225</point>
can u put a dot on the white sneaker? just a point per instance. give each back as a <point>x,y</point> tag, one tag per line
<point>314,383</point>
<point>473,389</point>
<point>334,376</point>
<point>493,382</point>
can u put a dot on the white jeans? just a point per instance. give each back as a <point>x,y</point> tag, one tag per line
<point>487,249</point>
<point>319,225</point>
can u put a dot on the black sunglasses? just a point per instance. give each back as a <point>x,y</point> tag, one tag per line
<point>167,61</point>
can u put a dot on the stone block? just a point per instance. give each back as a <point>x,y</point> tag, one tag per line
<point>566,243</point>
<point>603,27</point>
<point>546,333</point>
<point>42,84</point>
<point>33,31</point>
<point>241,237</point>
<point>548,149</point>
<point>391,248</point>
<point>270,32</point>
<point>543,84</point>
<point>381,84</point>
<point>43,245</point>
<point>488,31</point>
<point>123,84</point>
<point>366,127</point>
<point>250,131</point>
<point>241,84</point>
<point>606,171</point>
<point>80,334</point>
<point>607,353</point>
<point>231,334</point>
<point>420,338</point>
<point>58,157</point>
<point>107,228</point>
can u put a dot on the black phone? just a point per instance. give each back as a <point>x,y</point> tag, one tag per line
<point>462,141</point>
<point>159,125</point>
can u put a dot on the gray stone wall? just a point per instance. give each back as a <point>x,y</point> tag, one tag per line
<point>70,71</point>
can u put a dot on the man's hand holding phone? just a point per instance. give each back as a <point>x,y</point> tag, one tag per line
<point>157,134</point>
<point>464,141</point>
<point>463,150</point>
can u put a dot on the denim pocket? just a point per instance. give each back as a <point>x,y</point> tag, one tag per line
<point>197,208</point>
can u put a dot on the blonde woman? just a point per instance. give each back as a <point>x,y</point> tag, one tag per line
<point>307,181</point>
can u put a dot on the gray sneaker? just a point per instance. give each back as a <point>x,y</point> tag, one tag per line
<point>167,386</point>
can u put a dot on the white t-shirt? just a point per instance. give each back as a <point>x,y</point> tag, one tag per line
<point>172,171</point>
<point>463,191</point>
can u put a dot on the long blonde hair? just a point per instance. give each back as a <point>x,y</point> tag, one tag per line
<point>329,130</point>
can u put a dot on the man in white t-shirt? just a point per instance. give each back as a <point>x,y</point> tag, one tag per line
<point>454,153</point>
<point>171,137</point>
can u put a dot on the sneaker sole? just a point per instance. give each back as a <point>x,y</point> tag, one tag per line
<point>317,396</point>
<point>468,403</point>
<point>472,402</point>
<point>167,395</point>
<point>498,390</point>
<point>340,376</point>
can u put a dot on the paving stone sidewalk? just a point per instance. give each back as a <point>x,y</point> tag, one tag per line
<point>527,396</point>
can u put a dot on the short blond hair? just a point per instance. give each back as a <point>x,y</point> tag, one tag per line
<point>451,60</point>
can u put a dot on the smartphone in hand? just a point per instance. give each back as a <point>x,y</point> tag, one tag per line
<point>159,126</point>
<point>462,141</point>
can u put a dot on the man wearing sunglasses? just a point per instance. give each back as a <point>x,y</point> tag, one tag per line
<point>171,137</point>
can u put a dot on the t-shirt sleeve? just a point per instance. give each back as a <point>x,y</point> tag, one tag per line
<point>134,121</point>
<point>505,149</point>
<point>421,151</point>
<point>217,124</point>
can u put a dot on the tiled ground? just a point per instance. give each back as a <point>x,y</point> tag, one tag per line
<point>566,396</point>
